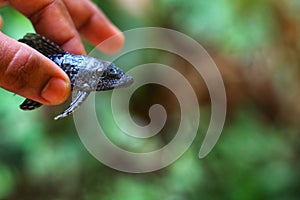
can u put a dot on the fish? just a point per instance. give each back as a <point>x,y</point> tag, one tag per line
<point>86,74</point>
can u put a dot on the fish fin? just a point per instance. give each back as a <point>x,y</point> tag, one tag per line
<point>78,99</point>
<point>42,44</point>
<point>29,104</point>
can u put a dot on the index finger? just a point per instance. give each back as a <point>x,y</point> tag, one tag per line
<point>51,19</point>
<point>94,25</point>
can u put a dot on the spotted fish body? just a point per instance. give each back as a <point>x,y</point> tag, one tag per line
<point>86,73</point>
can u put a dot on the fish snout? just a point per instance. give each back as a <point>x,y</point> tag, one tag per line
<point>124,81</point>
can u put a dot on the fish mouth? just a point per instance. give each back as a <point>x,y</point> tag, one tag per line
<point>124,81</point>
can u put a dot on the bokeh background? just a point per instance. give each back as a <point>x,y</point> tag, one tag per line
<point>255,44</point>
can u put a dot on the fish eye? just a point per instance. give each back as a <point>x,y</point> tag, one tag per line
<point>113,71</point>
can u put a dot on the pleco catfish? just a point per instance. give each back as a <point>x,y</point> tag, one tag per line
<point>86,73</point>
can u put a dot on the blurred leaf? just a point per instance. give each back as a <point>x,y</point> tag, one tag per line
<point>15,25</point>
<point>230,25</point>
<point>6,181</point>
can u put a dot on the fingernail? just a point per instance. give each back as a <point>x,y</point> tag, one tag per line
<point>56,91</point>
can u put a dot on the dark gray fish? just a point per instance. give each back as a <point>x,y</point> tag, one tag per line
<point>86,73</point>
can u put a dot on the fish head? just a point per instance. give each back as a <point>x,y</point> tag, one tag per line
<point>113,77</point>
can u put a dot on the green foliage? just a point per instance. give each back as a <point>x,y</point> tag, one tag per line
<point>253,158</point>
<point>6,181</point>
<point>234,26</point>
<point>13,21</point>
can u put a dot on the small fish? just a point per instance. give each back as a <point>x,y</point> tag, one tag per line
<point>86,73</point>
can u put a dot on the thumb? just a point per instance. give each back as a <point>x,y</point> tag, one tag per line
<point>28,73</point>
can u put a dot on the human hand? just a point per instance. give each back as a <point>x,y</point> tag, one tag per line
<point>28,73</point>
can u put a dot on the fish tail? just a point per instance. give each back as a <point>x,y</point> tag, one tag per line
<point>29,104</point>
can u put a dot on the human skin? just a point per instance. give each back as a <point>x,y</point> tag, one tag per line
<point>28,73</point>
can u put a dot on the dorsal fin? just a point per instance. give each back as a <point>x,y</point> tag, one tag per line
<point>42,44</point>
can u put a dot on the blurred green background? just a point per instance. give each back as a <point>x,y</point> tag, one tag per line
<point>255,44</point>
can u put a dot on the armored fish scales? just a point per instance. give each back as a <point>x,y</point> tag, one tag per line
<point>86,73</point>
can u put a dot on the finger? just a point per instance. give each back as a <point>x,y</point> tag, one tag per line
<point>94,25</point>
<point>51,19</point>
<point>28,73</point>
<point>1,22</point>
<point>3,3</point>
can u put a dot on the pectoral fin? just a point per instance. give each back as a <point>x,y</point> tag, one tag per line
<point>77,100</point>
